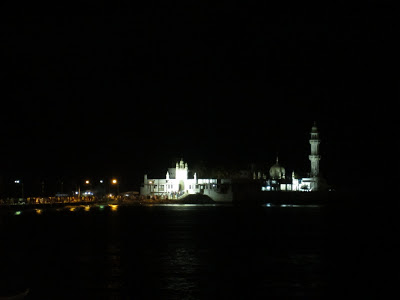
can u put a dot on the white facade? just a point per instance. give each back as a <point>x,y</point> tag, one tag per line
<point>313,182</point>
<point>277,180</point>
<point>177,184</point>
<point>314,156</point>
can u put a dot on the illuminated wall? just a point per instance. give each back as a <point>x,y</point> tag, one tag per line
<point>177,183</point>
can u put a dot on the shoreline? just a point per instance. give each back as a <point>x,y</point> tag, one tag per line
<point>332,199</point>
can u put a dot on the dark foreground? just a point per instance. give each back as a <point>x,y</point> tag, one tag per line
<point>195,252</point>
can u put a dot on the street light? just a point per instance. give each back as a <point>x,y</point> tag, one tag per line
<point>102,190</point>
<point>88,191</point>
<point>87,182</point>
<point>115,182</point>
<point>22,187</point>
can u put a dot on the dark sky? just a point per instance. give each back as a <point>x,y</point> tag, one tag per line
<point>117,91</point>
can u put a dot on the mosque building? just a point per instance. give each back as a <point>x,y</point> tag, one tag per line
<point>177,183</point>
<point>277,180</point>
<point>277,174</point>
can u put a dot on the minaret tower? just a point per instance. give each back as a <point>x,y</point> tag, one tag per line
<point>314,156</point>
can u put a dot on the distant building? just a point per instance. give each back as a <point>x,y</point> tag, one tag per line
<point>177,184</point>
<point>315,182</point>
<point>277,180</point>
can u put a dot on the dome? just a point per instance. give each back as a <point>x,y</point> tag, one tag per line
<point>314,129</point>
<point>277,171</point>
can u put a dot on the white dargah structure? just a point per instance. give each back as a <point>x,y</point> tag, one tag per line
<point>177,183</point>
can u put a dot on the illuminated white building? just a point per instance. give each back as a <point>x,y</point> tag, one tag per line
<point>277,177</point>
<point>315,182</point>
<point>177,184</point>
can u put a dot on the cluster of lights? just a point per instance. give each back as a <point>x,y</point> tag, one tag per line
<point>87,193</point>
<point>113,181</point>
<point>87,182</point>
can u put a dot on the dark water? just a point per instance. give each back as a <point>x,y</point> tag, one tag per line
<point>190,252</point>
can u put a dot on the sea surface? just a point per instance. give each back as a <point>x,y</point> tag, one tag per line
<point>191,252</point>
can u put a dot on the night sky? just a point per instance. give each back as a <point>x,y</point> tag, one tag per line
<point>96,91</point>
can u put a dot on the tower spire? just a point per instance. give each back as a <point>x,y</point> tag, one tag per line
<point>314,156</point>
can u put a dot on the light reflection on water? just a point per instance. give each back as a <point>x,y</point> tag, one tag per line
<point>113,207</point>
<point>183,205</point>
<point>181,264</point>
<point>179,250</point>
<point>294,205</point>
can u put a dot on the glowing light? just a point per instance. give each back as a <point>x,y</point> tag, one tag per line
<point>114,207</point>
<point>101,207</point>
<point>38,211</point>
<point>17,213</point>
<point>17,181</point>
<point>114,181</point>
<point>87,208</point>
<point>101,181</point>
<point>72,208</point>
<point>87,181</point>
